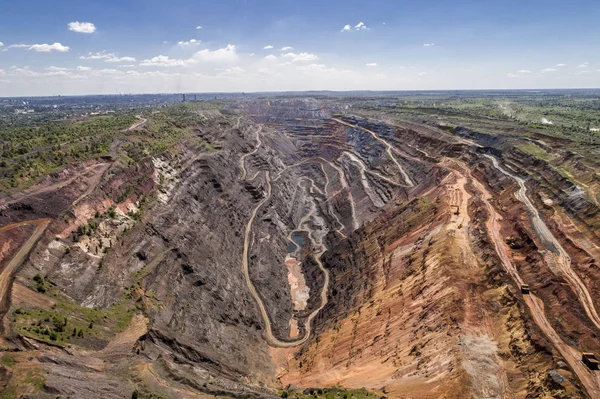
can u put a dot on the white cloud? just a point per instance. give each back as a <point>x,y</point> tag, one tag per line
<point>83,68</point>
<point>371,64</point>
<point>301,56</point>
<point>284,63</point>
<point>422,73</point>
<point>82,27</point>
<point>360,26</point>
<point>108,71</point>
<point>226,54</point>
<point>198,27</point>
<point>546,70</point>
<point>165,61</point>
<point>267,47</point>
<point>346,28</point>
<point>1,44</point>
<point>107,57</point>
<point>561,65</point>
<point>54,68</point>
<point>512,75</point>
<point>120,59</point>
<point>524,71</point>
<point>191,42</point>
<point>126,66</point>
<point>287,48</point>
<point>428,44</point>
<point>234,70</point>
<point>584,65</point>
<point>270,57</point>
<point>96,56</point>
<point>46,48</point>
<point>580,73</point>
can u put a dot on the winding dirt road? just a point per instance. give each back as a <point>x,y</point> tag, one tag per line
<point>271,339</point>
<point>389,149</point>
<point>243,158</point>
<point>590,381</point>
<point>97,168</point>
<point>560,255</point>
<point>137,124</point>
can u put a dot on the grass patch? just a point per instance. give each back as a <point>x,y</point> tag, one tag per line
<point>7,360</point>
<point>67,323</point>
<point>534,150</point>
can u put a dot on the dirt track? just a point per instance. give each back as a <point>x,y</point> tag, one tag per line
<point>19,257</point>
<point>389,149</point>
<point>560,255</point>
<point>97,168</point>
<point>590,381</point>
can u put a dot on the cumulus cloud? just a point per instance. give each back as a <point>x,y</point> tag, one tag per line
<point>165,61</point>
<point>82,27</point>
<point>561,65</point>
<point>287,48</point>
<point>584,65</point>
<point>546,70</point>
<point>83,68</point>
<point>120,59</point>
<point>225,54</point>
<point>301,56</point>
<point>346,28</point>
<point>108,71</point>
<point>371,64</point>
<point>46,48</point>
<point>1,44</point>
<point>236,70</point>
<point>198,27</point>
<point>43,48</point>
<point>54,68</point>
<point>428,44</point>
<point>107,57</point>
<point>512,75</point>
<point>524,71</point>
<point>267,47</point>
<point>270,57</point>
<point>191,42</point>
<point>360,26</point>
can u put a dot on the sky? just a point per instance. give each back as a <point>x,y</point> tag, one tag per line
<point>52,47</point>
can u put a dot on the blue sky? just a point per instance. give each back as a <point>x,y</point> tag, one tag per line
<point>109,46</point>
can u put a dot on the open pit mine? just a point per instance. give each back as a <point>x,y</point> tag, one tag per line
<point>302,250</point>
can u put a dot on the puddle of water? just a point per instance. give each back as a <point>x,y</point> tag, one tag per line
<point>296,243</point>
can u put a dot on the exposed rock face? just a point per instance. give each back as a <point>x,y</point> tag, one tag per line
<point>410,243</point>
